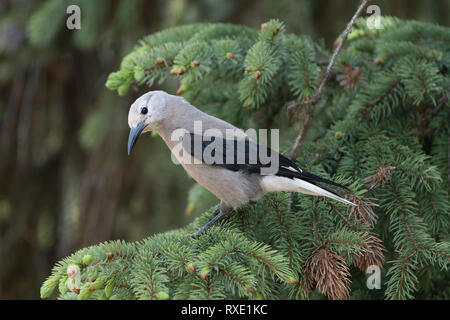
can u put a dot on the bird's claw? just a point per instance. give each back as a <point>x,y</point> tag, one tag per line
<point>207,225</point>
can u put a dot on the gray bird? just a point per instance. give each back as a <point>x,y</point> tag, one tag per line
<point>227,167</point>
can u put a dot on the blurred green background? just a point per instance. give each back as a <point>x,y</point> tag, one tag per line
<point>65,178</point>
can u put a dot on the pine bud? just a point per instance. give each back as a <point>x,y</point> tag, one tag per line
<point>87,259</point>
<point>230,55</point>
<point>247,104</point>
<point>110,256</point>
<point>293,281</point>
<point>72,270</point>
<point>173,72</point>
<point>264,26</point>
<point>92,275</point>
<point>257,75</point>
<point>181,70</point>
<point>195,64</point>
<point>378,61</point>
<point>85,292</point>
<point>74,278</point>
<point>190,267</point>
<point>337,134</point>
<point>204,273</point>
<point>248,69</point>
<point>75,290</point>
<point>250,289</point>
<point>162,295</point>
<point>276,30</point>
<point>181,90</point>
<point>159,61</point>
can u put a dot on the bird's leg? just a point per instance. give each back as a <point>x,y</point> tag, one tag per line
<point>222,210</point>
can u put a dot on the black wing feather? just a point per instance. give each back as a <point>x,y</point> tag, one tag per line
<point>250,166</point>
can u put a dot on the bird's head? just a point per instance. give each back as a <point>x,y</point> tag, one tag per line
<point>146,113</point>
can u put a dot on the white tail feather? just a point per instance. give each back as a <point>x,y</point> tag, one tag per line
<point>277,183</point>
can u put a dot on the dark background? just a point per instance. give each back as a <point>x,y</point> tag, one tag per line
<point>66,181</point>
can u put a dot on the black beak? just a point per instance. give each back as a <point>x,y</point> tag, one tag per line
<point>135,132</point>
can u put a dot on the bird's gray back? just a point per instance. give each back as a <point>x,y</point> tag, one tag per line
<point>235,188</point>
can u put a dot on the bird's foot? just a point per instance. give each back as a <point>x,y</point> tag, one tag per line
<point>209,224</point>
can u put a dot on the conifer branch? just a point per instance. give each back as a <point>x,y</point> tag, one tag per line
<point>264,251</point>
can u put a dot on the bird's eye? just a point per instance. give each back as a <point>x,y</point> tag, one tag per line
<point>144,110</point>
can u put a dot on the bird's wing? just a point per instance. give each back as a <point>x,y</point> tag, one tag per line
<point>247,156</point>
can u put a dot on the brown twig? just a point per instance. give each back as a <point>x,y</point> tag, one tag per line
<point>440,104</point>
<point>311,103</point>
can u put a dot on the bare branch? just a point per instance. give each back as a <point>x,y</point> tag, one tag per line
<point>311,103</point>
